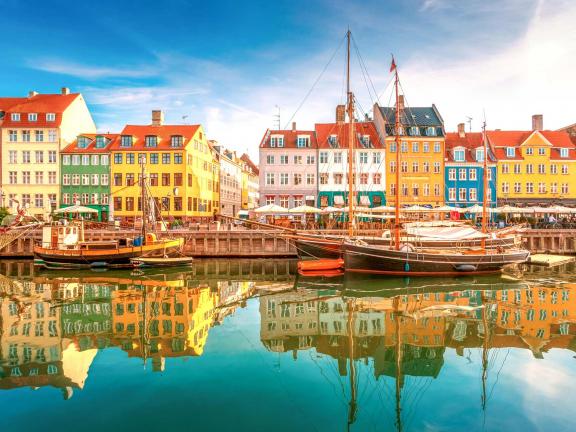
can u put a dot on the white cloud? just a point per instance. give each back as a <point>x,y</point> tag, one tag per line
<point>89,71</point>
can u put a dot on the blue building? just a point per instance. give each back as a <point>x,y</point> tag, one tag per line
<point>464,170</point>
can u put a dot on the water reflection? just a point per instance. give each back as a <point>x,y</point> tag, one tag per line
<point>378,337</point>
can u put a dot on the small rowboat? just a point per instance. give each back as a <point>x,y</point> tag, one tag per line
<point>161,262</point>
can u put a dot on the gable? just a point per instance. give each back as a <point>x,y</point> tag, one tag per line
<point>536,139</point>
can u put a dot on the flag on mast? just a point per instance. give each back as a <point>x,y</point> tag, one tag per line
<point>393,65</point>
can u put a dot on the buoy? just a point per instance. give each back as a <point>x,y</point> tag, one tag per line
<point>406,267</point>
<point>320,264</point>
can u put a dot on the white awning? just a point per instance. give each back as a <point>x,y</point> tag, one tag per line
<point>338,199</point>
<point>310,197</point>
<point>364,200</point>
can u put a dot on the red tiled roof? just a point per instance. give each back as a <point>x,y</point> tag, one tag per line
<point>249,162</point>
<point>325,130</point>
<point>40,104</point>
<point>290,137</point>
<point>91,147</point>
<point>502,139</point>
<point>470,142</point>
<point>164,134</point>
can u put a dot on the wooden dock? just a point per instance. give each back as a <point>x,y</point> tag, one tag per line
<point>550,260</point>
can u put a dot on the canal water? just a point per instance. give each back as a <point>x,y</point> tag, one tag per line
<point>246,345</point>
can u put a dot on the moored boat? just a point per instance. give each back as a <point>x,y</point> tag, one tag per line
<point>162,261</point>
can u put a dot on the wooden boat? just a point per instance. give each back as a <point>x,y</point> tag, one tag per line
<point>161,262</point>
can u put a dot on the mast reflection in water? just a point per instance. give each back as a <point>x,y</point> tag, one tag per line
<point>356,354</point>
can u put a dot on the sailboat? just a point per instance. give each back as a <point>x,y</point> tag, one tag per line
<point>406,259</point>
<point>65,247</point>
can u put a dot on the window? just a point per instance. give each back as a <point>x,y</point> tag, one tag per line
<point>364,178</point>
<point>553,169</point>
<point>129,204</point>
<point>26,157</point>
<point>505,168</point>
<point>414,167</point>
<point>297,160</point>
<point>52,135</point>
<point>338,158</point>
<point>393,147</point>
<point>363,157</point>
<point>101,142</point>
<point>95,180</point>
<point>376,157</point>
<point>459,155</point>
<point>404,147</point>
<point>415,189</point>
<point>15,117</point>
<point>404,189</point>
<point>564,152</point>
<point>436,189</point>
<point>85,179</point>
<point>426,147</point>
<point>415,147</point>
<point>95,160</point>
<point>462,194</point>
<point>66,198</point>
<point>104,179</point>
<point>542,151</point>
<point>310,160</point>
<point>517,187</point>
<point>165,179</point>
<point>130,179</point>
<point>13,156</point>
<point>505,187</point>
<point>310,179</point>
<point>426,167</point>
<point>142,157</point>
<point>26,177</point>
<point>479,155</point>
<point>377,178</point>
<point>177,158</point>
<point>176,141</point>
<point>38,200</point>
<point>462,174</point>
<point>269,179</point>
<point>564,169</point>
<point>284,179</point>
<point>338,178</point>
<point>529,169</point>
<point>39,177</point>
<point>530,187</point>
<point>297,179</point>
<point>126,141</point>
<point>517,168</point>
<point>473,195</point>
<point>52,157</point>
<point>473,174</point>
<point>178,179</point>
<point>510,152</point>
<point>431,131</point>
<point>541,169</point>
<point>393,189</point>
<point>50,117</point>
<point>117,180</point>
<point>86,160</point>
<point>104,199</point>
<point>26,199</point>
<point>404,166</point>
<point>564,188</point>
<point>12,136</point>
<point>154,158</point>
<point>452,174</point>
<point>554,188</point>
<point>166,158</point>
<point>284,159</point>
<point>414,130</point>
<point>323,178</point>
<point>39,135</point>
<point>426,189</point>
<point>303,142</point>
<point>298,200</point>
<point>452,194</point>
<point>436,167</point>
<point>437,147</point>
<point>75,159</point>
<point>104,160</point>
<point>392,167</point>
<point>529,151</point>
<point>541,188</point>
<point>13,177</point>
<point>277,141</point>
<point>270,199</point>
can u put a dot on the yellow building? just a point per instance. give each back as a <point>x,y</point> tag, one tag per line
<point>181,170</point>
<point>250,183</point>
<point>33,130</point>
<point>534,167</point>
<point>422,145</point>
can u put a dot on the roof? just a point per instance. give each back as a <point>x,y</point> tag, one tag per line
<point>163,132</point>
<point>421,117</point>
<point>324,132</point>
<point>500,140</point>
<point>290,137</point>
<point>6,103</point>
<point>91,147</point>
<point>470,142</point>
<point>251,164</point>
<point>40,104</point>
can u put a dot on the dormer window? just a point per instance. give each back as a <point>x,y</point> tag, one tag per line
<point>414,131</point>
<point>15,116</point>
<point>176,141</point>
<point>277,141</point>
<point>83,142</point>
<point>459,155</point>
<point>32,117</point>
<point>564,152</point>
<point>333,140</point>
<point>50,117</point>
<point>126,141</point>
<point>510,152</point>
<point>366,141</point>
<point>303,141</point>
<point>400,130</point>
<point>151,141</point>
<point>101,142</point>
<point>431,131</point>
<point>479,155</point>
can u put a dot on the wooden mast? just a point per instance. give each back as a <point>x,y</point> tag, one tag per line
<point>397,141</point>
<point>485,187</point>
<point>399,377</point>
<point>350,143</point>
<point>143,203</point>
<point>352,373</point>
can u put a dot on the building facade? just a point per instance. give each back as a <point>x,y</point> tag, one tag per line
<point>250,183</point>
<point>422,147</point>
<point>535,167</point>
<point>333,155</point>
<point>85,173</point>
<point>34,131</point>
<point>464,170</point>
<point>288,168</point>
<point>181,170</point>
<point>230,181</point>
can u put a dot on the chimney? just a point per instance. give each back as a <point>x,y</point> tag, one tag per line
<point>340,113</point>
<point>401,102</point>
<point>32,93</point>
<point>293,126</point>
<point>461,130</point>
<point>157,117</point>
<point>65,91</point>
<point>537,122</point>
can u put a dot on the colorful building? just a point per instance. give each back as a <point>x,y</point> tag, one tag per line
<point>34,130</point>
<point>181,168</point>
<point>288,168</point>
<point>464,170</point>
<point>250,183</point>
<point>333,156</point>
<point>85,173</point>
<point>422,153</point>
<point>230,180</point>
<point>536,167</point>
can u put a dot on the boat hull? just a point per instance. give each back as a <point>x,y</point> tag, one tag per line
<point>117,257</point>
<point>384,261</point>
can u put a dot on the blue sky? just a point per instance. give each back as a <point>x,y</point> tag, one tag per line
<point>227,64</point>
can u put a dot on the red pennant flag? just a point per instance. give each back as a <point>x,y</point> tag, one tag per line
<point>393,65</point>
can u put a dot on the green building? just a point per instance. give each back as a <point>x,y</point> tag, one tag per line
<point>85,173</point>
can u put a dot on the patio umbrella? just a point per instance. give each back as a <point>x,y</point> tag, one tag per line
<point>330,209</point>
<point>76,209</point>
<point>271,208</point>
<point>383,209</point>
<point>446,208</point>
<point>416,208</point>
<point>510,209</point>
<point>563,210</point>
<point>477,209</point>
<point>305,209</point>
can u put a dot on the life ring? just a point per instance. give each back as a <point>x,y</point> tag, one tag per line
<point>407,247</point>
